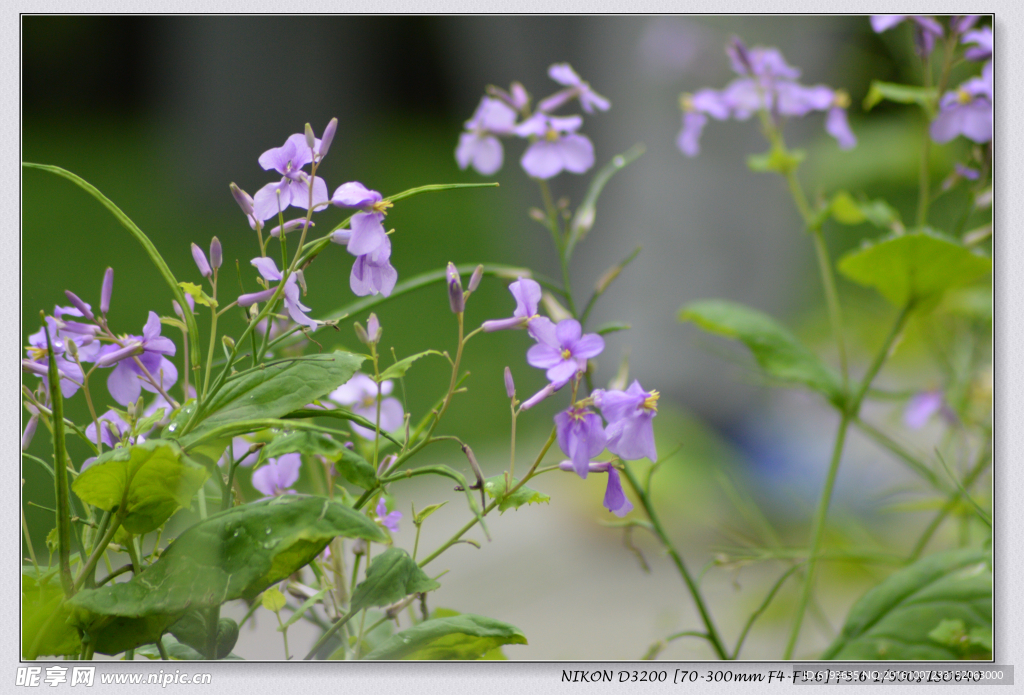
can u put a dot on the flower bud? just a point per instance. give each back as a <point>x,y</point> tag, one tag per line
<point>373,329</point>
<point>72,348</point>
<point>108,288</point>
<point>130,349</point>
<point>216,253</point>
<point>361,334</point>
<point>310,138</point>
<point>386,464</point>
<point>79,304</point>
<point>34,368</point>
<point>243,199</point>
<point>455,296</point>
<point>228,341</point>
<point>325,141</point>
<point>359,547</point>
<point>510,386</point>
<point>200,258</point>
<point>177,309</point>
<point>555,310</point>
<point>538,397</point>
<point>474,279</point>
<point>30,431</point>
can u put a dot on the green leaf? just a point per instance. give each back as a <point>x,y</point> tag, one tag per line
<point>145,424</point>
<point>420,516</point>
<point>777,351</point>
<point>894,620</point>
<point>356,470</point>
<point>191,631</point>
<point>234,554</point>
<point>304,442</point>
<point>151,251</point>
<point>273,600</point>
<point>398,369</point>
<point>178,651</point>
<point>392,576</point>
<point>273,390</point>
<point>340,415</point>
<point>583,219</point>
<point>845,209</point>
<point>777,160</point>
<point>197,293</point>
<point>146,482</point>
<point>612,327</point>
<point>464,636</point>
<point>495,489</point>
<point>914,267</point>
<point>45,630</point>
<point>301,610</point>
<point>924,97</point>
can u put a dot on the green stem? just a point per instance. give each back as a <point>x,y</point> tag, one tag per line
<point>954,499</point>
<point>835,313</point>
<point>818,525</point>
<point>761,609</point>
<point>698,599</point>
<point>98,551</point>
<point>60,474</point>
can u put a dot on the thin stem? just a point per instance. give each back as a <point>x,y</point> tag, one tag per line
<point>698,599</point>
<point>818,525</point>
<point>835,313</point>
<point>213,342</point>
<point>954,499</point>
<point>761,609</point>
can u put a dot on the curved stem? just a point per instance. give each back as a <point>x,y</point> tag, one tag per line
<point>698,599</point>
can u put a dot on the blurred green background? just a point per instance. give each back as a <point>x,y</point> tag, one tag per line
<point>161,113</point>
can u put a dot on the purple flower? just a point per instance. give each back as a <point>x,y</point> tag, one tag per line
<point>614,497</point>
<point>128,378</point>
<point>765,82</point>
<point>278,475</point>
<point>360,394</point>
<point>562,73</point>
<point>478,147</point>
<point>580,436</point>
<point>557,147</point>
<point>922,406</point>
<point>293,188</point>
<point>562,350</point>
<point>926,29</point>
<point>268,269</point>
<point>372,273</point>
<point>966,111</point>
<point>629,415</point>
<point>516,97</point>
<point>388,521</point>
<point>113,429</point>
<point>527,293</point>
<point>982,38</point>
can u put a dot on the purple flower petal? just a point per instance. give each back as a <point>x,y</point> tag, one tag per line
<point>355,195</point>
<point>124,384</point>
<point>838,127</point>
<point>614,498</point>
<point>267,268</point>
<point>688,141</point>
<point>367,233</point>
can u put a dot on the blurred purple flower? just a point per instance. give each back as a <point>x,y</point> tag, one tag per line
<point>629,414</point>
<point>926,29</point>
<point>562,350</point>
<point>922,406</point>
<point>557,146</point>
<point>478,147</point>
<point>360,394</point>
<point>563,74</point>
<point>388,521</point>
<point>113,429</point>
<point>982,38</point>
<point>239,453</point>
<point>766,82</point>
<point>278,475</point>
<point>966,111</point>
<point>580,436</point>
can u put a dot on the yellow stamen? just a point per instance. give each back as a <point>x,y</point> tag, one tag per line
<point>841,99</point>
<point>686,102</point>
<point>651,402</point>
<point>551,135</point>
<point>964,97</point>
<point>566,354</point>
<point>382,206</point>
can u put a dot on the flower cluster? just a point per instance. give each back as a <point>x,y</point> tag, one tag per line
<point>563,350</point>
<point>372,272</point>
<point>765,83</point>
<point>555,146</point>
